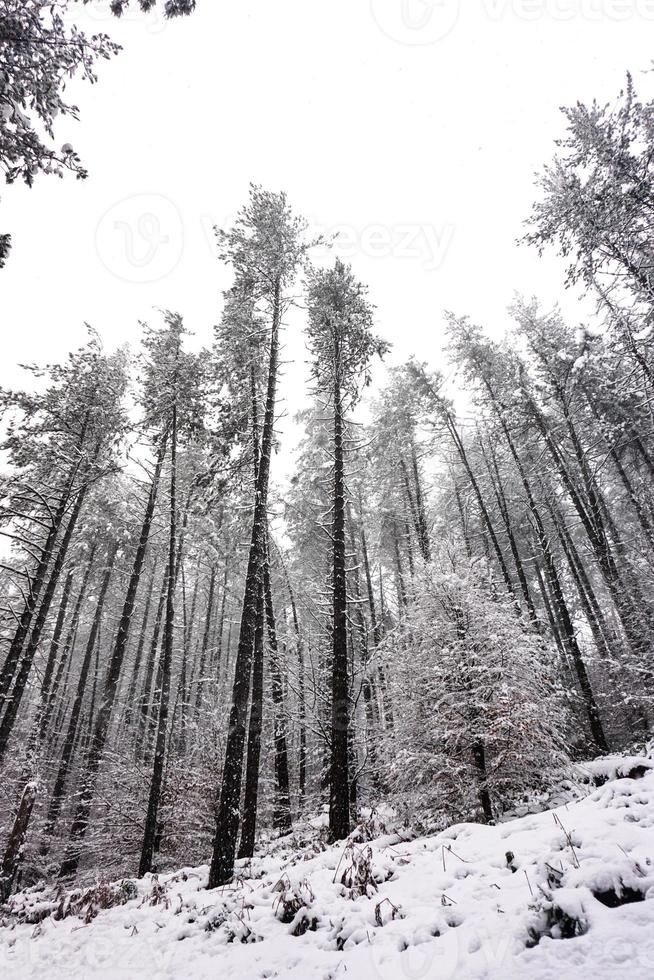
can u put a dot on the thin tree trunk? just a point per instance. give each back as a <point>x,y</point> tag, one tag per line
<point>131,691</point>
<point>282,807</point>
<point>205,641</point>
<point>152,683</point>
<point>53,652</point>
<point>643,518</point>
<point>551,618</point>
<point>376,632</point>
<point>183,691</point>
<point>594,527</point>
<point>220,667</point>
<point>149,678</point>
<point>27,659</point>
<point>589,603</point>
<point>64,660</point>
<point>38,579</point>
<point>486,520</point>
<point>409,500</point>
<point>479,759</point>
<point>425,544</point>
<point>496,482</point>
<point>150,831</point>
<point>64,704</point>
<point>402,598</point>
<point>560,606</point>
<point>14,850</point>
<point>366,681</point>
<point>94,689</point>
<point>409,544</point>
<point>56,798</point>
<point>250,803</point>
<point>301,696</point>
<point>562,612</point>
<point>227,823</point>
<point>352,754</point>
<point>101,728</point>
<point>462,517</point>
<point>339,792</point>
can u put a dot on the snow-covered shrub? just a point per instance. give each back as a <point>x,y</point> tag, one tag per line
<point>362,871</point>
<point>40,902</point>
<point>560,915</point>
<point>480,719</point>
<point>291,898</point>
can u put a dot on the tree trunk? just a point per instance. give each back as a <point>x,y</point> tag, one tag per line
<point>282,808</point>
<point>250,803</point>
<point>402,598</point>
<point>11,661</point>
<point>101,728</point>
<point>94,689</point>
<point>562,613</point>
<point>64,660</point>
<point>131,691</point>
<point>227,823</point>
<point>462,516</point>
<point>205,641</point>
<point>376,632</point>
<point>149,834</point>
<point>411,504</point>
<point>594,527</point>
<point>339,791</point>
<point>53,652</point>
<point>149,678</point>
<point>56,798</point>
<point>549,611</point>
<point>372,721</point>
<point>496,482</point>
<point>425,544</point>
<point>589,603</point>
<point>486,520</point>
<point>220,667</point>
<point>479,759</point>
<point>11,709</point>
<point>560,609</point>
<point>14,851</point>
<point>302,716</point>
<point>182,698</point>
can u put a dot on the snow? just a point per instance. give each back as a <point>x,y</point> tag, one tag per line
<point>614,766</point>
<point>473,902</point>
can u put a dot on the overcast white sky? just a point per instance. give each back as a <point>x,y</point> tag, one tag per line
<point>416,127</point>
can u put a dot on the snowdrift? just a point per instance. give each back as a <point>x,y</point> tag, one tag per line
<point>561,894</point>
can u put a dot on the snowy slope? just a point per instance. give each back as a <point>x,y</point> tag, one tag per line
<point>471,902</point>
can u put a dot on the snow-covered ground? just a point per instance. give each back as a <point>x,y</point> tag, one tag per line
<point>471,902</point>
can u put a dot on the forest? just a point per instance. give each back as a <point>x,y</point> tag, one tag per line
<point>429,594</point>
<point>451,600</point>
